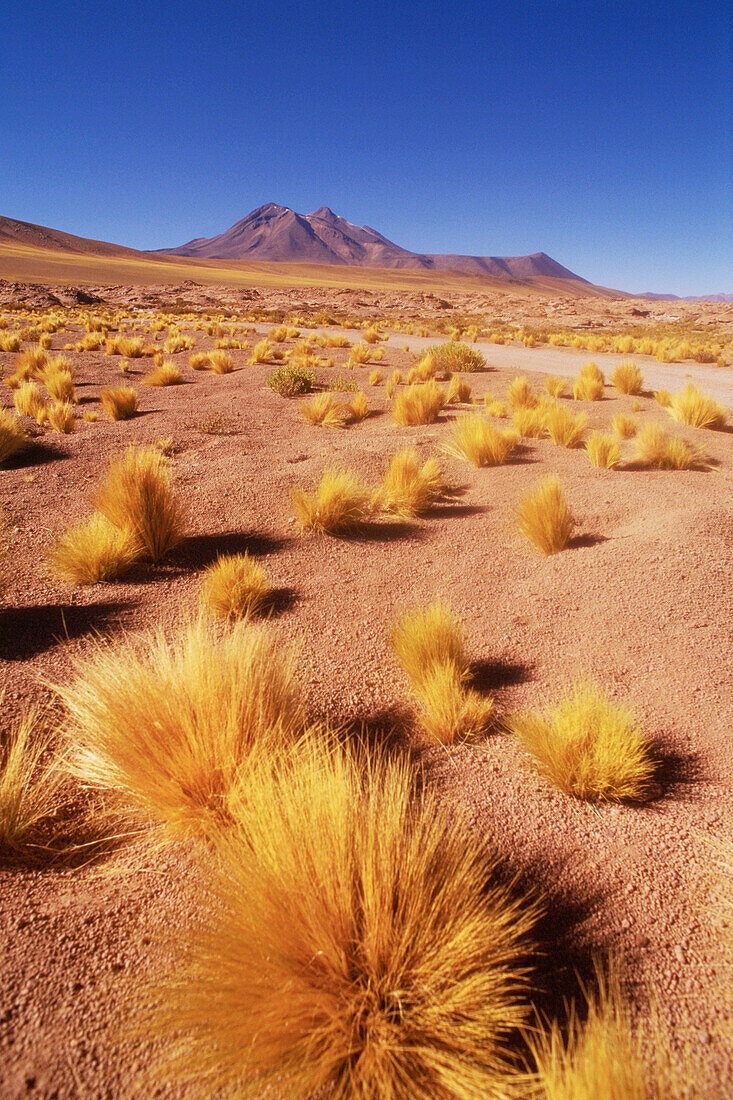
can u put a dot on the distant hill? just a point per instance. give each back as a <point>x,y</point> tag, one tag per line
<point>40,236</point>
<point>654,297</point>
<point>279,234</point>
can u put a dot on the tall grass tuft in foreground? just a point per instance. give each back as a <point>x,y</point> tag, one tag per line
<point>13,437</point>
<point>338,505</point>
<point>172,727</point>
<point>627,378</point>
<point>565,429</point>
<point>120,403</point>
<point>353,940</point>
<point>658,451</point>
<point>588,746</point>
<point>603,450</point>
<point>31,779</point>
<point>409,488</point>
<point>235,587</point>
<point>138,498</point>
<point>689,406</point>
<point>543,517</point>
<point>92,552</point>
<point>418,404</point>
<point>480,442</point>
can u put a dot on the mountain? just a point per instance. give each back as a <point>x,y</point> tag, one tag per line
<point>13,232</point>
<point>279,234</point>
<point>654,297</point>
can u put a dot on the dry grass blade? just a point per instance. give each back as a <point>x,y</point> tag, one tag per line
<point>544,517</point>
<point>338,505</point>
<point>171,727</point>
<point>409,488</point>
<point>353,941</point>
<point>137,496</point>
<point>588,746</point>
<point>477,440</point>
<point>93,551</point>
<point>235,586</point>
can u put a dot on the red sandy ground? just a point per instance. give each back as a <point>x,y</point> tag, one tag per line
<point>640,601</point>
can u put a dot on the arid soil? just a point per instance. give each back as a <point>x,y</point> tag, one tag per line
<point>640,601</point>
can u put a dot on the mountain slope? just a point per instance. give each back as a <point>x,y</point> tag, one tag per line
<point>40,236</point>
<point>277,233</point>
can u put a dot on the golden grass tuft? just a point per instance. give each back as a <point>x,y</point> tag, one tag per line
<point>359,407</point>
<point>564,428</point>
<point>588,746</point>
<point>556,386</point>
<point>658,451</point>
<point>13,436</point>
<point>92,552</point>
<point>603,450</point>
<point>448,710</point>
<point>689,406</point>
<point>477,440</point>
<point>324,409</point>
<point>627,378</point>
<point>530,423</point>
<point>375,377</point>
<point>458,391</point>
<point>60,416</point>
<point>59,384</point>
<point>520,394</point>
<point>663,398</point>
<point>171,726</point>
<point>165,375</point>
<point>587,388</point>
<point>31,779</point>
<point>360,354</point>
<point>352,940</point>
<point>409,488</point>
<point>494,408</point>
<point>221,363</point>
<point>120,402</point>
<point>624,426</point>
<point>30,363</point>
<point>543,517</point>
<point>418,404</point>
<point>28,400</point>
<point>424,639</point>
<point>339,504</point>
<point>137,497</point>
<point>199,361</point>
<point>235,587</point>
<point>261,352</point>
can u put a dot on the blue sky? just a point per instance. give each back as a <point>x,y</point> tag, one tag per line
<point>599,132</point>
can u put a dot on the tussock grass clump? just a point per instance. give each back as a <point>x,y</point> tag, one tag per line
<point>520,394</point>
<point>60,416</point>
<point>172,727</point>
<point>324,409</point>
<point>220,362</point>
<point>531,423</point>
<point>564,428</point>
<point>235,587</point>
<point>375,377</point>
<point>663,398</point>
<point>588,746</point>
<point>627,378</point>
<point>425,639</point>
<point>477,440</point>
<point>689,406</point>
<point>30,363</point>
<point>338,505</point>
<point>603,450</point>
<point>261,352</point>
<point>624,426</point>
<point>543,517</point>
<point>455,358</point>
<point>556,386</point>
<point>409,488</point>
<point>120,402</point>
<point>28,400</point>
<point>359,408</point>
<point>59,384</point>
<point>13,436</point>
<point>352,941</point>
<point>418,404</point>
<point>587,388</point>
<point>199,361</point>
<point>658,451</point>
<point>137,497</point>
<point>448,710</point>
<point>495,408</point>
<point>9,342</point>
<point>130,347</point>
<point>92,552</point>
<point>166,375</point>
<point>31,779</point>
<point>360,354</point>
<point>459,392</point>
<point>292,379</point>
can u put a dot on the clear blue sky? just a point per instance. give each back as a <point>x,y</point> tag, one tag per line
<point>600,132</point>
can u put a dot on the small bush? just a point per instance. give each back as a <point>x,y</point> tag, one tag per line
<point>588,746</point>
<point>556,386</point>
<point>477,440</point>
<point>167,375</point>
<point>92,552</point>
<point>235,587</point>
<point>624,426</point>
<point>13,437</point>
<point>456,358</point>
<point>326,410</point>
<point>656,450</point>
<point>603,450</point>
<point>291,380</point>
<point>689,406</point>
<point>409,488</point>
<point>544,518</point>
<point>120,403</point>
<point>338,505</point>
<point>565,429</point>
<point>627,378</point>
<point>418,404</point>
<point>31,779</point>
<point>137,497</point>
